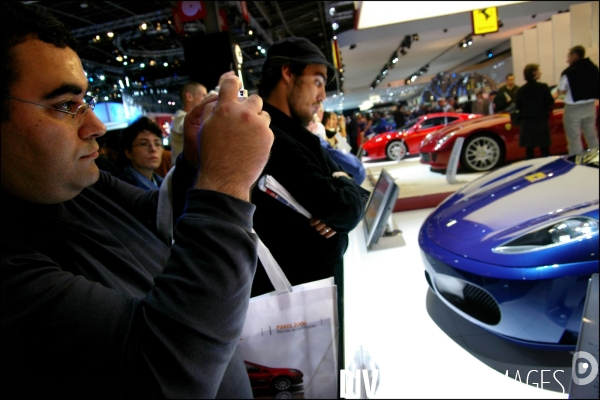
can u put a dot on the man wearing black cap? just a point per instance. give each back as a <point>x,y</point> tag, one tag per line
<point>292,87</point>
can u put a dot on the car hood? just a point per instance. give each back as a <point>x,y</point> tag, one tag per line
<point>463,127</point>
<point>514,195</point>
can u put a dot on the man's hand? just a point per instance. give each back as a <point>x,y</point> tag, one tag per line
<point>234,140</point>
<point>320,227</point>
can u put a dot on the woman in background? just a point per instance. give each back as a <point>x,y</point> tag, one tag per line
<point>141,153</point>
<point>534,103</point>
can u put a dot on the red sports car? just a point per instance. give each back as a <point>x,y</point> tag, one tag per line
<point>489,142</point>
<point>262,377</point>
<point>395,145</point>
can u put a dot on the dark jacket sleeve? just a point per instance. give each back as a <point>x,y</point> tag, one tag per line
<point>140,203</point>
<point>335,201</point>
<point>175,341</point>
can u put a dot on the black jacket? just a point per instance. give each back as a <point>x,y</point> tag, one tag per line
<point>583,79</point>
<point>299,163</point>
<point>95,305</point>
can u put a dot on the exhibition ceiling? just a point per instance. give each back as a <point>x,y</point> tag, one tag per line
<point>146,31</point>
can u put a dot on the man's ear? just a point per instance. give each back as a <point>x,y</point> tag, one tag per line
<point>286,74</point>
<point>189,96</point>
<point>128,154</point>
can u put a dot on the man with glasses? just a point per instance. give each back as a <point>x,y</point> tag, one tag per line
<point>94,303</point>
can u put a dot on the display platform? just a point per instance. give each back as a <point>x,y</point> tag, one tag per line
<point>421,348</point>
<point>419,186</point>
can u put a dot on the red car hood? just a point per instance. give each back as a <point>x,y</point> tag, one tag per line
<point>484,121</point>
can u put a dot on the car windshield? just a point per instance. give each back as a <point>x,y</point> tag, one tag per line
<point>590,158</point>
<point>409,124</point>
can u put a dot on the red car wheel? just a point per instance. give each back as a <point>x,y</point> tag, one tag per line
<point>396,150</point>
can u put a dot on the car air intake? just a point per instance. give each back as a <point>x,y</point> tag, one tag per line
<point>425,157</point>
<point>468,298</point>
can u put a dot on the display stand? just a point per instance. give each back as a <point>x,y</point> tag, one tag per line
<point>391,237</point>
<point>453,163</point>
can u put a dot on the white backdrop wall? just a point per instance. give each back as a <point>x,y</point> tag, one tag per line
<point>549,42</point>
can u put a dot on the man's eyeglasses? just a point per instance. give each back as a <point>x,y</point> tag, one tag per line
<point>89,102</point>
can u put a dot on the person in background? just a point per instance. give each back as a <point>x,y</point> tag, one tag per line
<point>95,304</point>
<point>441,104</point>
<point>450,106</point>
<point>141,152</point>
<point>331,127</point>
<point>480,105</point>
<point>579,87</point>
<point>534,103</point>
<point>109,153</point>
<point>400,116</point>
<point>492,105</point>
<point>292,85</point>
<point>506,95</point>
<point>191,95</point>
<point>352,133</point>
<point>166,163</point>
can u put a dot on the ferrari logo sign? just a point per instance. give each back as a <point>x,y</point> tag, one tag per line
<point>538,176</point>
<point>484,20</point>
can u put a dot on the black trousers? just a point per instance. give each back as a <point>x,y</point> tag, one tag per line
<point>529,152</point>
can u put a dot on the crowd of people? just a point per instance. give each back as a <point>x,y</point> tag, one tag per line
<point>95,301</point>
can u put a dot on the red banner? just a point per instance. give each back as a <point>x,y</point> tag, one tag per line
<point>245,11</point>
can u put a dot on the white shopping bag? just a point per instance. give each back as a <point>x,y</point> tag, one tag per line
<point>290,338</point>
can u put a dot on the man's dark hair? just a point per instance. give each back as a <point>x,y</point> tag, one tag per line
<point>579,50</point>
<point>529,72</point>
<point>21,22</point>
<point>190,87</point>
<point>271,74</point>
<point>141,124</point>
<point>509,75</point>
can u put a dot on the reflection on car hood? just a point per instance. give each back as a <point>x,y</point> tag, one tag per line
<point>463,124</point>
<point>516,194</point>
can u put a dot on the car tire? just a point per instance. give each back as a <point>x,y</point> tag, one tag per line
<point>281,383</point>
<point>396,150</point>
<point>481,153</point>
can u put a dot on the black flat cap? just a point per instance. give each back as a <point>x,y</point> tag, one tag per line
<point>301,50</point>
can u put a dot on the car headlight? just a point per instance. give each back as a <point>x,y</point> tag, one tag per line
<point>445,138</point>
<point>556,234</point>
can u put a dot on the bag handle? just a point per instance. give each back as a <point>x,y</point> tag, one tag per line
<point>164,222</point>
<point>278,279</point>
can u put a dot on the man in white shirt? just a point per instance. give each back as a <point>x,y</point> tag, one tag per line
<point>192,94</point>
<point>579,86</point>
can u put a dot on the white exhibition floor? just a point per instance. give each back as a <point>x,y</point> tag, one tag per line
<point>422,349</point>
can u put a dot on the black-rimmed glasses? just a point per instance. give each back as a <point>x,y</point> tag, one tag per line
<point>89,102</point>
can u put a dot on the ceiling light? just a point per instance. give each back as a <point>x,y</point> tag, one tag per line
<point>332,11</point>
<point>250,32</point>
<point>335,26</point>
<point>97,37</point>
<point>110,34</point>
<point>166,64</point>
<point>143,26</point>
<point>102,77</point>
<point>395,60</point>
<point>119,58</point>
<point>415,37</point>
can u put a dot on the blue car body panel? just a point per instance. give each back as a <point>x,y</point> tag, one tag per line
<point>532,296</point>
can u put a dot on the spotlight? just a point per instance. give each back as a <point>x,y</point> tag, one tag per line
<point>394,60</point>
<point>489,53</point>
<point>352,46</point>
<point>335,26</point>
<point>415,37</point>
<point>402,51</point>
<point>470,42</point>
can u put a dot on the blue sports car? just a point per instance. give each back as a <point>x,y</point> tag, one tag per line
<point>513,250</point>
